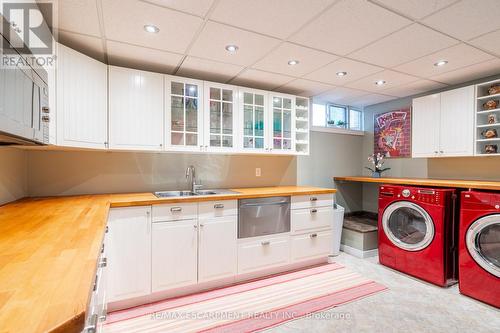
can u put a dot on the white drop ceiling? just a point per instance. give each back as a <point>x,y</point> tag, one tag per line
<point>393,40</point>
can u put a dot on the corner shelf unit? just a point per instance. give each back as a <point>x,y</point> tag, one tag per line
<point>302,116</point>
<point>483,115</point>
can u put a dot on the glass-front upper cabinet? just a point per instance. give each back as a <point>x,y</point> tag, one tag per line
<point>283,123</point>
<point>184,116</point>
<point>253,113</point>
<point>221,108</point>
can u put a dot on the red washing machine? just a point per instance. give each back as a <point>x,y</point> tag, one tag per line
<point>416,233</point>
<point>479,247</point>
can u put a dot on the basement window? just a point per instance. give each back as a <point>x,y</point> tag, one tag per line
<point>336,118</point>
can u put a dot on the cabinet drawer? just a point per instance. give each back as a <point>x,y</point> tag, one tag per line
<point>311,245</point>
<point>263,253</point>
<point>313,200</point>
<point>175,212</point>
<point>211,209</point>
<point>307,219</point>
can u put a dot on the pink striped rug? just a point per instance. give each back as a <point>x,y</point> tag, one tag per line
<point>249,306</point>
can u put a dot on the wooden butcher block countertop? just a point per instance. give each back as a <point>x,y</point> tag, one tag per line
<point>49,248</point>
<point>455,183</point>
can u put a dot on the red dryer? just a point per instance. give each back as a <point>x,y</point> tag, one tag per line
<point>416,232</point>
<point>479,247</point>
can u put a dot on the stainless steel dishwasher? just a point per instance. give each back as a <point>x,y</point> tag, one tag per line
<point>263,216</point>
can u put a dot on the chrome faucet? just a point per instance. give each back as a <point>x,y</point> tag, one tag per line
<point>191,177</point>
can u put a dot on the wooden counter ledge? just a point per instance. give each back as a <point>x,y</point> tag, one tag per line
<point>455,183</point>
<point>49,248</point>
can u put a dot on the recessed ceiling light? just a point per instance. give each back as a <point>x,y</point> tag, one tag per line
<point>441,63</point>
<point>380,82</point>
<point>293,62</point>
<point>341,73</point>
<point>151,28</point>
<point>231,48</point>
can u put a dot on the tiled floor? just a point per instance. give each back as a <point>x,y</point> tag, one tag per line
<point>408,306</point>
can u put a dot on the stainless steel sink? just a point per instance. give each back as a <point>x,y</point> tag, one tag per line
<point>173,194</point>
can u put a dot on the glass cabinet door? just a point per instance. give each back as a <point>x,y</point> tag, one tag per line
<point>282,123</point>
<point>184,113</point>
<point>220,117</point>
<point>254,123</point>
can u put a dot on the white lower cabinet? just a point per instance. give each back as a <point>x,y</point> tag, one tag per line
<point>174,254</point>
<point>129,253</point>
<point>263,252</point>
<point>217,248</point>
<point>311,245</point>
<point>311,218</point>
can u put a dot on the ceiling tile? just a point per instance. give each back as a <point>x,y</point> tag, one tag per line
<point>204,69</point>
<point>309,60</point>
<point>392,79</point>
<point>126,55</point>
<point>355,70</point>
<point>371,99</point>
<point>261,80</point>
<point>414,88</point>
<point>407,44</point>
<point>477,71</point>
<point>340,95</point>
<point>91,46</point>
<point>69,17</point>
<point>349,25</point>
<point>124,21</point>
<point>273,18</point>
<point>195,7</point>
<point>458,56</point>
<point>305,88</point>
<point>488,42</point>
<point>415,8</point>
<point>212,41</point>
<point>467,19</point>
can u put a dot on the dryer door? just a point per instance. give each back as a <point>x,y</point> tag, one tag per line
<point>408,226</point>
<point>483,243</point>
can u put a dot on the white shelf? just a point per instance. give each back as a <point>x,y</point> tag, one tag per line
<point>488,111</point>
<point>489,125</point>
<point>488,140</point>
<point>302,119</point>
<point>301,142</point>
<point>300,108</point>
<point>484,154</point>
<point>488,96</point>
<point>300,130</point>
<point>488,83</point>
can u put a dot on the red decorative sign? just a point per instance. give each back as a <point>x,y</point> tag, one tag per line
<point>392,131</point>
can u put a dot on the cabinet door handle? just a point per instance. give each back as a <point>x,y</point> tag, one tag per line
<point>314,199</point>
<point>195,226</point>
<point>219,206</point>
<point>313,235</point>
<point>176,209</point>
<point>104,262</point>
<point>441,151</point>
<point>435,151</point>
<point>314,211</point>
<point>264,243</point>
<point>202,225</point>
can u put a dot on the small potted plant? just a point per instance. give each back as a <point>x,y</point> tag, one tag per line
<point>378,165</point>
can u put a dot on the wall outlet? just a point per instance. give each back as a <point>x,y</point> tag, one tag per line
<point>257,172</point>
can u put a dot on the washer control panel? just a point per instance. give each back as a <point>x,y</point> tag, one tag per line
<point>406,193</point>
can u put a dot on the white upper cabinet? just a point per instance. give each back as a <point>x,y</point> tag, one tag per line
<point>254,120</point>
<point>443,124</point>
<point>426,114</point>
<point>220,117</point>
<point>183,114</point>
<point>283,123</point>
<point>135,109</point>
<point>82,100</point>
<point>457,122</point>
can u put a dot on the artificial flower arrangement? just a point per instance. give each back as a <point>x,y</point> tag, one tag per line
<point>378,164</point>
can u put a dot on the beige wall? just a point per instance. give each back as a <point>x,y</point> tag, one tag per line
<point>81,172</point>
<point>13,174</point>
<point>333,155</point>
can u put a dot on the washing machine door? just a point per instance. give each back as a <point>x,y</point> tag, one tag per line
<point>483,243</point>
<point>408,226</point>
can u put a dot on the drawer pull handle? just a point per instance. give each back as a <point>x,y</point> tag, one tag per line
<point>218,206</point>
<point>314,211</point>
<point>176,209</point>
<point>265,243</point>
<point>313,235</point>
<point>314,199</point>
<point>104,262</point>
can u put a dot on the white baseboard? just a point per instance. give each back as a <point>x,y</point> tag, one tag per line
<point>358,253</point>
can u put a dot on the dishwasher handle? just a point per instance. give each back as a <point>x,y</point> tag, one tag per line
<point>264,204</point>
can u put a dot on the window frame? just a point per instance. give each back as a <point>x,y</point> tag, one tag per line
<point>336,129</point>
